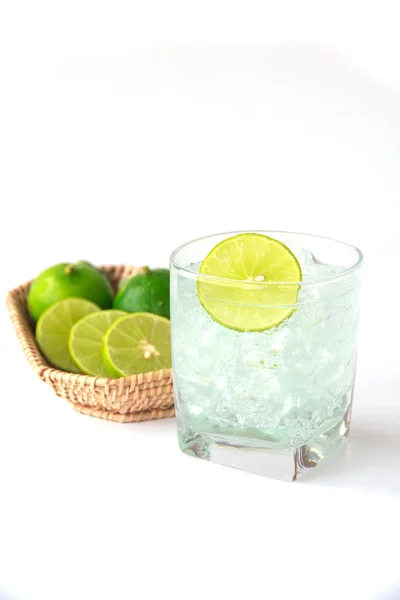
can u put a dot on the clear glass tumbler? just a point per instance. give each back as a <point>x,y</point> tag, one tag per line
<point>275,402</point>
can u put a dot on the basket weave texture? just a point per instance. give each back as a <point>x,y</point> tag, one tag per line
<point>135,398</point>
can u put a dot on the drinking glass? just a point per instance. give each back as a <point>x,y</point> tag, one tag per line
<point>274,402</point>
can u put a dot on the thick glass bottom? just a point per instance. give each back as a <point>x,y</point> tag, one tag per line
<point>257,456</point>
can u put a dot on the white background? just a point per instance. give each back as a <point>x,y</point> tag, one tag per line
<point>125,131</point>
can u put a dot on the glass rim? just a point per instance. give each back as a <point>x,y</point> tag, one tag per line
<point>212,278</point>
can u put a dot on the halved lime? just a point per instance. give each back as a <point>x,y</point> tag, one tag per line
<point>86,341</point>
<point>137,343</point>
<point>264,299</point>
<point>54,326</point>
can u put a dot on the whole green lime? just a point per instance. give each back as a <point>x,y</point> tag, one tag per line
<point>145,292</point>
<point>66,280</point>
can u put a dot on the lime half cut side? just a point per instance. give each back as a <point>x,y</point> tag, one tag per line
<point>53,329</point>
<point>137,343</point>
<point>86,341</point>
<point>270,273</point>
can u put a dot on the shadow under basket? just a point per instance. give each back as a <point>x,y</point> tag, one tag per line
<point>135,398</point>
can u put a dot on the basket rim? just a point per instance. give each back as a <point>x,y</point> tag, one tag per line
<point>46,371</point>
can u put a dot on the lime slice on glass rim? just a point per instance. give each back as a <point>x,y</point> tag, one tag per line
<point>86,341</point>
<point>255,282</point>
<point>53,329</point>
<point>137,343</point>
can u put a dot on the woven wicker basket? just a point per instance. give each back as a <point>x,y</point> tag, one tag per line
<point>136,398</point>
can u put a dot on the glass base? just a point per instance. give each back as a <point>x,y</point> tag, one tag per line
<point>287,464</point>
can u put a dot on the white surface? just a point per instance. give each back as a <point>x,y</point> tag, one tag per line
<point>116,153</point>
